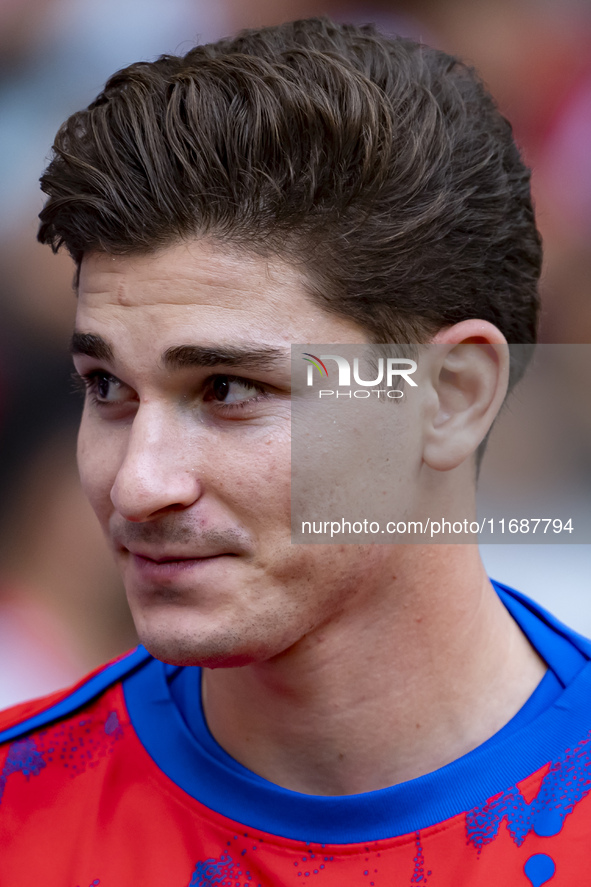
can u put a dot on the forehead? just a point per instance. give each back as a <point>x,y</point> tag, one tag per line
<point>213,292</point>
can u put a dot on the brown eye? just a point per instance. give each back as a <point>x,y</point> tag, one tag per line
<point>232,391</point>
<point>107,389</point>
<point>103,384</point>
<point>220,387</point>
<point>104,389</point>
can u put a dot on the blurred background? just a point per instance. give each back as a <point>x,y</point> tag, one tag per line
<point>62,609</point>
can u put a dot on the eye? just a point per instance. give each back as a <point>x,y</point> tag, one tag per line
<point>232,390</point>
<point>103,388</point>
<point>106,387</point>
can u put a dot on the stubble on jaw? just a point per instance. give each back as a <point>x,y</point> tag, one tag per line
<point>267,614</point>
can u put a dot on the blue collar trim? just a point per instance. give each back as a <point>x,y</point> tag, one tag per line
<point>401,809</point>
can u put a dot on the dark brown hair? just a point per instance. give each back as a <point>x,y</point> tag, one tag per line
<point>381,166</point>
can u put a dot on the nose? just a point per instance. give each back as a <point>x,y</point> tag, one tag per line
<point>156,474</point>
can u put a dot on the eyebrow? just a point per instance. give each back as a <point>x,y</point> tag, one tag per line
<point>247,357</point>
<point>179,357</point>
<point>91,346</point>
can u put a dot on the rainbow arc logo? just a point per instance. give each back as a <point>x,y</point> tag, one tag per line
<point>316,362</point>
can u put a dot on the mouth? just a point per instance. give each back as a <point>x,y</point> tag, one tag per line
<point>177,558</point>
<point>166,566</point>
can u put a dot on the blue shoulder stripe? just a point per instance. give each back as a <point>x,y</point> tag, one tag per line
<point>83,694</point>
<point>567,650</point>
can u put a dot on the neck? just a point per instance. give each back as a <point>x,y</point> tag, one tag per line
<point>384,695</point>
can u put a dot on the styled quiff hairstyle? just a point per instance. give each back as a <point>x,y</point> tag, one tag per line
<point>380,166</point>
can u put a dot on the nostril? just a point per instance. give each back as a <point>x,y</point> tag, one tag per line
<point>138,495</point>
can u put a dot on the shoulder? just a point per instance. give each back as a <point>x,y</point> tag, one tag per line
<point>27,717</point>
<point>60,756</point>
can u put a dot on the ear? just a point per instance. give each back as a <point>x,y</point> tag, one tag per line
<point>470,374</point>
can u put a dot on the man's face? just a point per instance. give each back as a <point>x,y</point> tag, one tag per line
<point>184,450</point>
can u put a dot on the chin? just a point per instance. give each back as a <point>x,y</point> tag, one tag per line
<point>219,650</point>
<point>228,637</point>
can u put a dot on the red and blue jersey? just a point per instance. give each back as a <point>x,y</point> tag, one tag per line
<point>118,783</point>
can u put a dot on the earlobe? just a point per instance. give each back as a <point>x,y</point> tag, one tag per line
<point>469,373</point>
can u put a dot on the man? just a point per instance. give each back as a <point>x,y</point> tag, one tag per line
<point>352,714</point>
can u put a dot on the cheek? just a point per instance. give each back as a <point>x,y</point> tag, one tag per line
<point>321,582</point>
<point>257,485</point>
<point>97,463</point>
